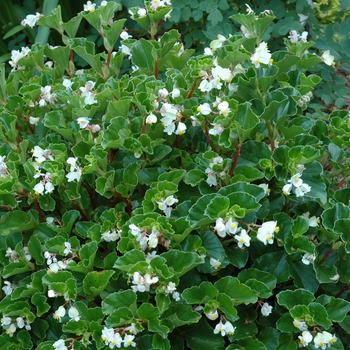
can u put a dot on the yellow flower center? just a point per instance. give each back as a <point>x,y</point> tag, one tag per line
<point>277,229</point>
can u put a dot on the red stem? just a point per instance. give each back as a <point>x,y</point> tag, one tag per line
<point>206,133</point>
<point>39,210</point>
<point>192,88</point>
<point>345,288</point>
<point>329,252</point>
<point>235,159</point>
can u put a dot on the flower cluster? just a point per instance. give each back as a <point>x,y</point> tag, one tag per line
<point>213,170</point>
<point>295,37</point>
<point>224,328</point>
<point>266,232</point>
<point>87,93</point>
<point>223,228</point>
<point>297,185</point>
<point>16,55</point>
<point>112,338</point>
<point>261,55</point>
<point>46,96</point>
<point>111,236</point>
<point>170,288</point>
<point>148,240</point>
<point>321,339</point>
<point>313,221</point>
<point>14,257</point>
<point>216,79</point>
<point>143,283</point>
<point>73,313</point>
<point>55,265</point>
<point>165,205</point>
<point>10,325</point>
<point>75,171</point>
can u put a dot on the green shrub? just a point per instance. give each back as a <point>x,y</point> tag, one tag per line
<point>189,202</point>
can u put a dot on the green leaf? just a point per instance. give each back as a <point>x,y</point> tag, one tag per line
<point>55,120</point>
<point>117,300</point>
<point>331,215</point>
<point>96,281</point>
<point>181,262</point>
<point>237,257</point>
<point>212,244</point>
<point>35,250</point>
<point>240,293</point>
<point>201,336</point>
<point>274,263</point>
<point>200,294</point>
<point>129,259</point>
<point>300,226</point>
<point>143,52</point>
<point>304,276</point>
<point>290,298</point>
<point>194,177</point>
<point>181,314</point>
<point>15,221</point>
<point>226,306</point>
<point>286,342</point>
<point>39,301</point>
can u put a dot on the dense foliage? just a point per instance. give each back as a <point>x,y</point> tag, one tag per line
<point>165,198</point>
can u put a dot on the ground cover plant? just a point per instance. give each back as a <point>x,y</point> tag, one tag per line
<point>159,199</point>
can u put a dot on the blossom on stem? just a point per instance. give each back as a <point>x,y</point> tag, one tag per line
<point>59,313</point>
<point>89,6</point>
<point>220,227</point>
<point>215,263</point>
<point>212,315</point>
<point>31,20</point>
<point>261,55</point>
<point>266,232</point>
<point>301,325</point>
<point>327,58</point>
<point>308,258</point>
<point>305,338</point>
<point>59,345</point>
<point>243,239</point>
<point>266,309</point>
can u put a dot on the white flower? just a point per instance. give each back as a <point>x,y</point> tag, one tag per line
<point>135,231</point>
<point>229,329</point>
<point>67,83</point>
<point>181,128</point>
<point>327,58</point>
<point>224,108</point>
<point>163,93</point>
<point>59,313</point>
<point>212,315</point>
<point>265,187</point>
<point>83,122</point>
<point>266,232</point>
<point>215,263</point>
<point>5,320</point>
<point>59,345</point>
<point>220,227</point>
<point>286,189</point>
<point>8,288</point>
<point>243,239</point>
<point>224,329</point>
<point>68,249</point>
<point>89,6</point>
<point>215,44</point>
<point>170,288</point>
<point>220,328</point>
<point>33,120</point>
<point>296,180</point>
<point>293,36</point>
<point>231,226</point>
<point>129,340</point>
<point>224,74</point>
<point>103,3</point>
<point>107,335</point>
<point>208,51</point>
<point>308,258</point>
<point>266,309</point>
<point>39,188</point>
<point>142,12</point>
<point>151,119</point>
<point>301,190</point>
<point>175,93</point>
<point>73,313</point>
<point>49,187</point>
<point>305,338</point>
<point>52,294</point>
<point>301,325</point>
<point>74,175</point>
<point>131,329</point>
<point>31,20</point>
<point>323,339</point>
<point>204,109</point>
<point>249,9</point>
<point>303,36</point>
<point>3,167</point>
<point>20,322</point>
<point>11,330</point>
<point>124,35</point>
<point>261,55</point>
<point>216,130</point>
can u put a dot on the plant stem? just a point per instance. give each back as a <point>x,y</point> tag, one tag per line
<point>192,88</point>
<point>329,252</point>
<point>38,209</point>
<point>235,159</point>
<point>206,133</point>
<point>345,288</point>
